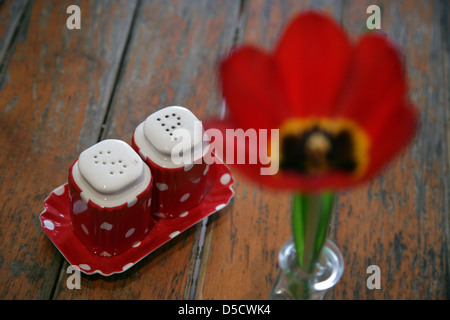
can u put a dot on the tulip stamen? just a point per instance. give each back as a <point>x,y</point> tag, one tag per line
<point>318,146</point>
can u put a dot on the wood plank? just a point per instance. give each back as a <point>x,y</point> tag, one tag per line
<point>400,220</point>
<point>240,260</point>
<point>170,60</point>
<point>54,91</point>
<point>10,13</point>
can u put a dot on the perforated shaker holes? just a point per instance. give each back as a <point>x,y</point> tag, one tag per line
<point>160,129</point>
<point>110,166</point>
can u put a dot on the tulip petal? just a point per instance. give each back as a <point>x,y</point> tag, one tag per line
<point>299,182</point>
<point>375,97</point>
<point>240,147</point>
<point>398,131</point>
<point>316,73</point>
<point>313,54</point>
<point>253,89</point>
<point>375,86</point>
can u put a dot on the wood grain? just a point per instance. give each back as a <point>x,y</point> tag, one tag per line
<point>54,90</point>
<point>62,90</point>
<point>400,221</point>
<point>240,259</point>
<point>10,13</point>
<point>170,60</point>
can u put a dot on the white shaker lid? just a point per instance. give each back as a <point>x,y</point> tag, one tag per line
<point>111,173</point>
<point>173,128</point>
<point>160,127</point>
<point>110,166</point>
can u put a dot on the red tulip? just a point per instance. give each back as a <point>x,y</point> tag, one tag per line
<point>341,108</point>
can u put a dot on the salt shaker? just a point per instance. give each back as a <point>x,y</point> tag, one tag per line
<point>110,190</point>
<point>170,142</point>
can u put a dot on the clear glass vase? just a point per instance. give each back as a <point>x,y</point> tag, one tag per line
<point>295,284</point>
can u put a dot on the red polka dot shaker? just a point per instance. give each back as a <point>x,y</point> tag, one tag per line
<point>170,142</point>
<point>110,191</point>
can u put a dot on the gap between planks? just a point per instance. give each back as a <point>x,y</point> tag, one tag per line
<point>11,35</point>
<point>120,70</point>
<point>205,237</point>
<point>63,263</point>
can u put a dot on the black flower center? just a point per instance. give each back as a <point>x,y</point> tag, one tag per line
<point>323,146</point>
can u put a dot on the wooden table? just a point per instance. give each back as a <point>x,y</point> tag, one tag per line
<point>63,90</point>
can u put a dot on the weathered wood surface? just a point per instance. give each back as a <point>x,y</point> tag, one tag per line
<point>63,90</point>
<point>400,220</point>
<point>55,87</point>
<point>170,60</point>
<point>10,13</point>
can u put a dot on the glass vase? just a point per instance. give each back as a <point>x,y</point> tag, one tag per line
<point>295,284</point>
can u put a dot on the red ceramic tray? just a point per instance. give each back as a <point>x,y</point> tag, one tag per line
<point>55,221</point>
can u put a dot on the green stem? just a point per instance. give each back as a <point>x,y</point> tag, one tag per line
<point>311,214</point>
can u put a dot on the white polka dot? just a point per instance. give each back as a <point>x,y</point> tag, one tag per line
<point>149,203</point>
<point>162,186</point>
<point>79,207</point>
<point>85,229</point>
<point>85,266</point>
<point>59,191</point>
<point>106,226</point>
<point>129,233</point>
<point>49,225</point>
<point>206,170</point>
<point>188,167</point>
<point>131,203</point>
<point>185,197</point>
<point>136,244</point>
<point>105,254</point>
<point>127,266</point>
<point>75,267</point>
<point>197,180</point>
<point>174,234</point>
<point>184,214</point>
<point>221,206</point>
<point>160,215</point>
<point>225,178</point>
